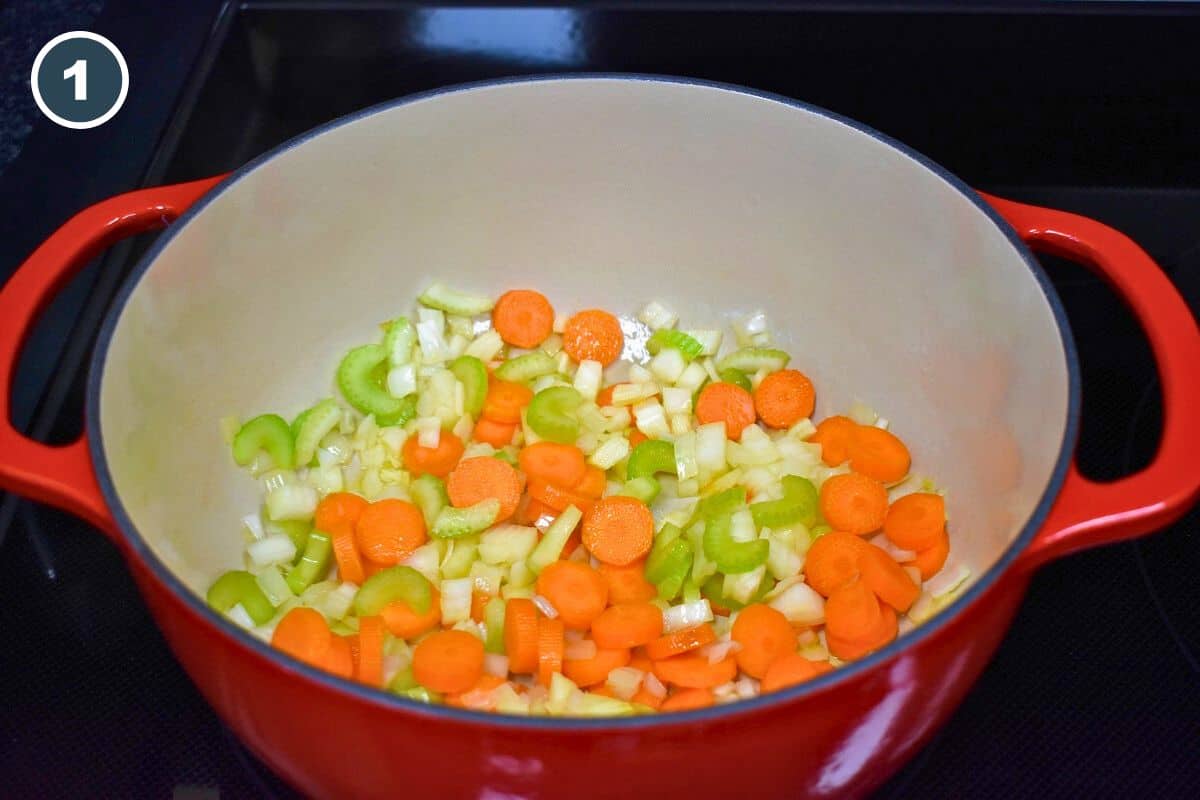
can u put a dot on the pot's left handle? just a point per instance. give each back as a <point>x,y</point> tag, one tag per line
<point>63,476</point>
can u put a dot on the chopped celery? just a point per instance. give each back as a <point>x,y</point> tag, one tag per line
<point>493,620</point>
<point>527,367</point>
<point>312,426</point>
<point>472,374</point>
<point>723,503</point>
<point>506,456</point>
<point>452,301</point>
<point>736,377</point>
<point>291,503</point>
<point>799,505</point>
<point>817,531</point>
<point>644,488</point>
<point>751,359</point>
<point>598,705</point>
<point>274,586</point>
<point>687,346</point>
<point>554,539</point>
<point>429,494</point>
<point>702,565</point>
<point>399,340</point>
<point>296,530</point>
<point>507,544</point>
<point>421,694</point>
<point>551,414</point>
<point>651,457</point>
<point>313,564</point>
<point>459,558</point>
<point>269,433</point>
<point>402,681</point>
<point>239,587</point>
<point>713,589</point>
<point>360,377</point>
<point>671,569</point>
<point>732,557</point>
<point>395,583</point>
<point>451,523</point>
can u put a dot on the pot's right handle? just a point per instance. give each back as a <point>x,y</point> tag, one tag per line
<point>63,476</point>
<point>1089,513</point>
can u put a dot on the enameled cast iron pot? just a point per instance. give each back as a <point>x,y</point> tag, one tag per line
<point>888,279</point>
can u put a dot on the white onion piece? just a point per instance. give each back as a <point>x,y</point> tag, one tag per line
<point>687,615</point>
<point>495,664</point>
<point>653,685</point>
<point>545,606</point>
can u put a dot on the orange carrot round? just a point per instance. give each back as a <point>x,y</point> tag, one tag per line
<point>345,552</point>
<point>852,613</point>
<point>550,646</point>
<point>764,634</point>
<point>521,635</point>
<point>640,661</point>
<point>645,697</point>
<point>692,671</point>
<point>879,454</point>
<point>593,335</point>
<point>688,700</point>
<point>303,634</point>
<point>791,669</point>
<point>628,584</point>
<point>505,400</point>
<point>523,317</point>
<point>886,578</point>
<point>551,462</point>
<point>605,395</point>
<point>636,437</point>
<point>725,402</point>
<point>590,671</point>
<point>336,508</point>
<point>557,497</point>
<point>434,460</point>
<point>618,530</point>
<point>628,625</point>
<point>485,478</point>
<point>673,644</point>
<point>784,398</point>
<point>592,484</point>
<point>338,659</point>
<point>448,661</point>
<point>497,434</point>
<point>930,560</point>
<point>370,650</point>
<point>915,521</point>
<point>389,530</point>
<point>834,434</point>
<point>533,511</point>
<point>854,503</point>
<point>577,591</point>
<point>405,623</point>
<point>832,561</point>
<point>884,632</point>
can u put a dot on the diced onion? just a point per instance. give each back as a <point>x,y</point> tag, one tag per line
<point>239,615</point>
<point>656,315</point>
<point>651,420</point>
<point>402,380</point>
<point>687,615</point>
<point>742,526</point>
<point>668,365</point>
<point>653,685</point>
<point>429,432</point>
<point>719,651</point>
<point>746,328</point>
<point>486,346</point>
<point>676,401</point>
<point>612,451</point>
<point>545,606</point>
<point>692,377</point>
<point>746,688</point>
<point>495,664</point>
<point>947,580</point>
<point>639,374</point>
<point>275,549</point>
<point>801,604</point>
<point>626,394</point>
<point>253,523</point>
<point>625,681</point>
<point>588,378</point>
<point>456,599</point>
<point>679,423</point>
<point>292,503</point>
<point>862,413</point>
<point>686,466</point>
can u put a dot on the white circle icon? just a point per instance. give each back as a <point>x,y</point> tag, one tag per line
<point>79,80</point>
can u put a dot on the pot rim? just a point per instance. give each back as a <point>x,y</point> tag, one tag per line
<point>139,547</point>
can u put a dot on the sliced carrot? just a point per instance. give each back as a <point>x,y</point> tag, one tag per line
<point>628,584</point>
<point>370,650</point>
<point>791,669</point>
<point>521,635</point>
<point>550,646</point>
<point>485,478</point>
<point>784,398</point>
<point>448,661</point>
<point>577,591</point>
<point>628,625</point>
<point>345,552</point>
<point>593,335</point>
<point>915,521</point>
<point>854,503</point>
<point>728,403</point>
<point>338,659</point>
<point>764,634</point>
<point>338,507</point>
<point>673,644</point>
<point>505,400</point>
<point>479,601</point>
<point>534,511</point>
<point>390,530</point>
<point>573,543</point>
<point>550,462</point>
<point>886,578</point>
<point>618,530</point>
<point>303,634</point>
<point>404,623</point>
<point>523,317</point>
<point>590,671</point>
<point>834,435</point>
<point>692,671</point>
<point>592,484</point>
<point>557,497</point>
<point>930,560</point>
<point>640,661</point>
<point>604,397</point>
<point>879,454</point>
<point>884,632</point>
<point>832,561</point>
<point>645,697</point>
<point>433,460</point>
<point>497,434</point>
<point>688,700</point>
<point>852,613</point>
<point>636,437</point>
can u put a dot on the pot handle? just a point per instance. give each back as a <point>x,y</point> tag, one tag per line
<point>63,476</point>
<point>1088,513</point>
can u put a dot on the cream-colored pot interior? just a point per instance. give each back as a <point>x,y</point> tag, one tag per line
<point>886,283</point>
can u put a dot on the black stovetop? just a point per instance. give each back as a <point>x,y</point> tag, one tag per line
<point>1092,108</point>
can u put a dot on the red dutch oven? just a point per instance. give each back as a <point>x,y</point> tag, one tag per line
<point>887,278</point>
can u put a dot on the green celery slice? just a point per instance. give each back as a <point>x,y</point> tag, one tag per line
<point>751,359</point>
<point>722,504</point>
<point>360,377</point>
<point>643,488</point>
<point>429,494</point>
<point>399,341</point>
<point>732,557</point>
<point>472,374</point>
<point>798,505</point>
<point>395,583</point>
<point>312,426</point>
<point>688,346</point>
<point>313,564</point>
<point>527,367</point>
<point>267,432</point>
<point>650,458</point>
<point>240,587</point>
<point>736,377</point>
<point>493,620</point>
<point>452,301</point>
<point>551,414</point>
<point>554,539</point>
<point>453,523</point>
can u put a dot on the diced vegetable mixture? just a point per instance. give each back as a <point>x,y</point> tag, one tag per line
<point>513,510</point>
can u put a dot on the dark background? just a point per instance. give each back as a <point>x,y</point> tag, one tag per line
<point>1093,108</point>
